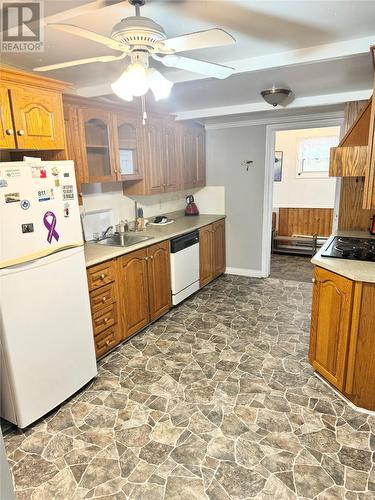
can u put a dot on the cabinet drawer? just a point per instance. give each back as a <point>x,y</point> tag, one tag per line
<point>104,318</point>
<point>102,297</point>
<point>106,341</point>
<point>100,275</point>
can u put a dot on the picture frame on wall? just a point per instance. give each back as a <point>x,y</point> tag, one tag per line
<point>278,166</point>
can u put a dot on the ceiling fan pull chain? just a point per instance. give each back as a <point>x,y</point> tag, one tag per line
<point>144,113</point>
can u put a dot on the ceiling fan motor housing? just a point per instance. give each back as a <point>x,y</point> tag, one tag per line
<point>139,32</point>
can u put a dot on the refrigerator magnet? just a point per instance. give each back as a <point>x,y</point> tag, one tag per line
<point>68,193</point>
<point>12,197</point>
<point>28,228</point>
<point>12,172</point>
<point>25,204</point>
<point>3,183</point>
<point>57,183</point>
<point>66,209</point>
<point>55,171</point>
<point>45,195</point>
<point>38,172</point>
<point>49,221</point>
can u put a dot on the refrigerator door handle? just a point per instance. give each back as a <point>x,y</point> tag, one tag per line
<point>28,262</point>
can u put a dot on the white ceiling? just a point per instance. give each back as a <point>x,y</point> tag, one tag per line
<point>317,48</point>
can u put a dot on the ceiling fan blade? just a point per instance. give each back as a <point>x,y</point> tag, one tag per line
<point>200,40</point>
<point>77,62</point>
<point>202,67</point>
<point>90,35</point>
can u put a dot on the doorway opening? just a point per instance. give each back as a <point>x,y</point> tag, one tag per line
<point>301,195</point>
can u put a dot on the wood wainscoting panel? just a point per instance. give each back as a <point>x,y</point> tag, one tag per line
<point>306,221</point>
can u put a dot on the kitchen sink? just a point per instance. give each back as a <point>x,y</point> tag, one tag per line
<point>123,240</point>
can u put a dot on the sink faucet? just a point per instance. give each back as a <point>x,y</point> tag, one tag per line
<point>104,233</point>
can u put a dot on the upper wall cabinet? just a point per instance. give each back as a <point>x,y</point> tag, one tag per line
<point>108,144</point>
<point>96,128</point>
<point>31,112</point>
<point>193,156</point>
<point>128,146</point>
<point>162,159</point>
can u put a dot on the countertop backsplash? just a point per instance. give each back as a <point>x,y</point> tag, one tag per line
<point>210,200</point>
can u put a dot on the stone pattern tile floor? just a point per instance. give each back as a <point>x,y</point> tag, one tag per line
<point>214,401</point>
<point>291,267</point>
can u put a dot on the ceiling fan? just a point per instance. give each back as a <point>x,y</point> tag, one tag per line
<point>141,38</point>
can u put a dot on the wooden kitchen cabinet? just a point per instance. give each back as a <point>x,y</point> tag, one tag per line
<point>342,340</point>
<point>330,325</point>
<point>103,283</point>
<point>193,156</point>
<point>31,112</point>
<point>145,286</point>
<point>128,141</point>
<point>159,279</point>
<point>161,167</point>
<point>211,252</point>
<point>133,280</point>
<point>7,138</point>
<point>98,150</point>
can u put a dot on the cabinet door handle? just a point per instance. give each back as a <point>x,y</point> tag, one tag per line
<point>115,170</point>
<point>20,132</point>
<point>152,257</point>
<point>107,343</point>
<point>105,320</point>
<point>103,276</point>
<point>9,131</point>
<point>146,259</point>
<point>313,280</point>
<point>104,299</point>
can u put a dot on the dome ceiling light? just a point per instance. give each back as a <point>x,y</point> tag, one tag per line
<point>275,96</point>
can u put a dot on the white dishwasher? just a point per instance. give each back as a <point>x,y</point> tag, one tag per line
<point>184,266</point>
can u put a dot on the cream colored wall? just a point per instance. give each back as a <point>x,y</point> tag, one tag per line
<point>293,190</point>
<point>210,200</point>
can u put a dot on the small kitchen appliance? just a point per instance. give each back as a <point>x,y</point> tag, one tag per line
<point>191,207</point>
<point>344,247</point>
<point>46,338</point>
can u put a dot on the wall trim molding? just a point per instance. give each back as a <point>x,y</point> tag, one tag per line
<point>268,177</point>
<point>277,120</point>
<point>250,273</point>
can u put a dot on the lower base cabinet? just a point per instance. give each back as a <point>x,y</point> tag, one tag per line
<point>127,293</point>
<point>104,306</point>
<point>211,252</point>
<point>342,339</point>
<point>145,286</point>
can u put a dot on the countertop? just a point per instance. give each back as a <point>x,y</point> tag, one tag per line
<point>95,254</point>
<point>353,269</point>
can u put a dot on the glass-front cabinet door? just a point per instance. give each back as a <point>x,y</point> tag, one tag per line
<point>129,153</point>
<point>98,151</point>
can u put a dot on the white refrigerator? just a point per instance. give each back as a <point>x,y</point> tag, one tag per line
<point>46,338</point>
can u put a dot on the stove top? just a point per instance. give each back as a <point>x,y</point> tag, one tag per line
<point>343,247</point>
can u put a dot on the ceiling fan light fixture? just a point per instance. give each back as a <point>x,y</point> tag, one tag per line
<point>160,86</point>
<point>133,82</point>
<point>275,96</point>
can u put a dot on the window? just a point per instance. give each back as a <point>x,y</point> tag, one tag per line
<point>313,155</point>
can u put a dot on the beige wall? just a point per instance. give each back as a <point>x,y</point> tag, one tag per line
<point>294,191</point>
